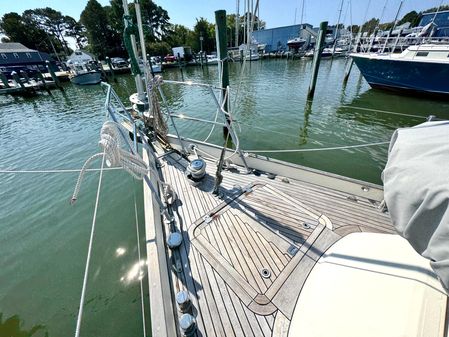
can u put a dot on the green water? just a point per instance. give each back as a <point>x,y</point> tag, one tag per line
<point>43,239</point>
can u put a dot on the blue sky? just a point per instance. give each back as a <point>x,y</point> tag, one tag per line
<point>274,12</point>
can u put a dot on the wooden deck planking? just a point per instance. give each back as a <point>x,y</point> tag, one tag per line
<point>229,306</point>
<point>239,250</point>
<point>228,329</point>
<point>244,243</point>
<point>247,253</point>
<point>196,294</point>
<point>257,255</point>
<point>335,204</point>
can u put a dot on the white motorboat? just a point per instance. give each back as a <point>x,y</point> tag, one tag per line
<point>83,73</point>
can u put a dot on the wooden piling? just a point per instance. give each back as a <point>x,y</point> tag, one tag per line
<point>42,79</point>
<point>317,59</point>
<point>223,67</point>
<point>53,76</point>
<point>348,70</point>
<point>25,76</point>
<point>16,78</point>
<point>111,70</point>
<point>4,80</point>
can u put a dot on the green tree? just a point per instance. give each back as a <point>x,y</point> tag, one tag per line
<point>206,30</point>
<point>102,39</point>
<point>434,9</point>
<point>370,25</point>
<point>24,30</point>
<point>158,48</point>
<point>77,31</point>
<point>179,35</point>
<point>413,17</point>
<point>51,21</point>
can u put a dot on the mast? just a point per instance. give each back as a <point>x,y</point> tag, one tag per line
<point>302,12</point>
<point>137,77</point>
<point>244,21</point>
<point>336,28</point>
<point>237,24</point>
<point>394,26</point>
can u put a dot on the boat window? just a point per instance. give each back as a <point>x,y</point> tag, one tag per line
<point>422,53</point>
<point>16,55</point>
<point>29,55</point>
<point>4,56</point>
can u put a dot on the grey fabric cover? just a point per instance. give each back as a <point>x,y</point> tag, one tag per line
<point>416,188</point>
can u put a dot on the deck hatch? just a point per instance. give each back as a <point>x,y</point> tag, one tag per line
<point>254,240</point>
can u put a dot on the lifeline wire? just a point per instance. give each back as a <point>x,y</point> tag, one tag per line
<point>319,149</point>
<point>89,251</point>
<point>61,170</point>
<point>139,257</point>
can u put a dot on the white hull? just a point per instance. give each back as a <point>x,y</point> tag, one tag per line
<point>93,77</point>
<point>157,67</point>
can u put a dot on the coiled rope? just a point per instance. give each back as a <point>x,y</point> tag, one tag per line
<point>115,156</point>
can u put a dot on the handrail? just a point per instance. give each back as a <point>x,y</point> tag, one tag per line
<point>402,42</point>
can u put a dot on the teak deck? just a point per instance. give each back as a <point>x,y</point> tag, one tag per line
<point>245,256</point>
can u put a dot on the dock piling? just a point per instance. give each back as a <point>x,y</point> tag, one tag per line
<point>53,76</point>
<point>317,59</point>
<point>25,76</point>
<point>348,70</point>
<point>41,78</point>
<point>4,80</point>
<point>222,50</point>
<point>17,79</point>
<point>111,70</point>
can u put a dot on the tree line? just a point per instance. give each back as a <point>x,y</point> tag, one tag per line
<point>100,30</point>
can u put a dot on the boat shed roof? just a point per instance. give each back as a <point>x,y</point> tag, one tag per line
<point>14,47</point>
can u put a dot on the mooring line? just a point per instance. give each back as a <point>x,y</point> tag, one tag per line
<point>139,257</point>
<point>319,149</point>
<point>89,252</point>
<point>382,111</point>
<point>62,170</point>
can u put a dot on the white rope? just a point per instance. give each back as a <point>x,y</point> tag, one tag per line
<point>115,155</point>
<point>89,251</point>
<point>139,257</point>
<point>61,170</point>
<point>319,149</point>
<point>382,111</point>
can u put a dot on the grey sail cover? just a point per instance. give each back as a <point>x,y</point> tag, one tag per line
<point>416,188</point>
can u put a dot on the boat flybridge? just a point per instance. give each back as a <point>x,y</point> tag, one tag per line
<point>240,244</point>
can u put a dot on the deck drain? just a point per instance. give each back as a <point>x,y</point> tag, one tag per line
<point>306,226</point>
<point>265,273</point>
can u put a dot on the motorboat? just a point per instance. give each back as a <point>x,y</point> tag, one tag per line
<point>420,69</point>
<point>84,73</point>
<point>296,43</point>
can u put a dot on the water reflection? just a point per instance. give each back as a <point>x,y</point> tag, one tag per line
<point>13,327</point>
<point>135,273</point>
<point>120,251</point>
<point>303,135</point>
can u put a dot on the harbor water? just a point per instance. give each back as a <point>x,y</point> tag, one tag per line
<point>44,239</point>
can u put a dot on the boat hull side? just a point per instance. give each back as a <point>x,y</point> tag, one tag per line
<point>87,78</point>
<point>410,76</point>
